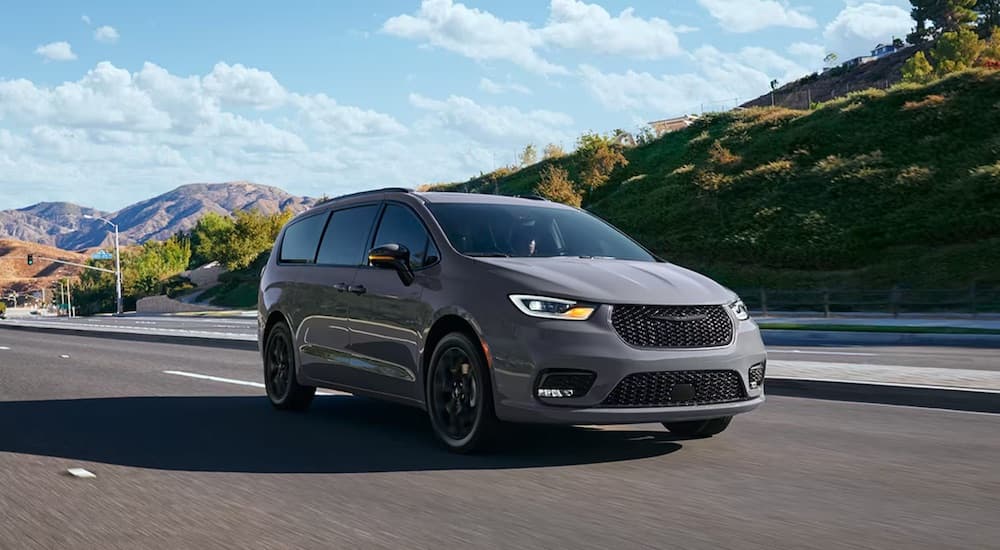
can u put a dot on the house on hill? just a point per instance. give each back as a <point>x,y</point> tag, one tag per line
<point>668,125</point>
<point>879,52</point>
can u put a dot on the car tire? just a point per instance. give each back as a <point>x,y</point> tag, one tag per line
<point>280,380</point>
<point>459,396</point>
<point>699,428</point>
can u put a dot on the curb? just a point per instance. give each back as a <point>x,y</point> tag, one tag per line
<point>782,337</point>
<point>886,394</point>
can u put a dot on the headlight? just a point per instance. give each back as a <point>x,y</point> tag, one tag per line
<point>740,310</point>
<point>552,308</point>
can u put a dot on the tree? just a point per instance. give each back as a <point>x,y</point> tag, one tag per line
<point>829,60</point>
<point>208,237</point>
<point>942,16</point>
<point>898,43</point>
<point>991,49</point>
<point>917,69</point>
<point>530,155</point>
<point>555,185</point>
<point>601,155</point>
<point>956,51</point>
<point>645,135</point>
<point>989,11</point>
<point>552,151</point>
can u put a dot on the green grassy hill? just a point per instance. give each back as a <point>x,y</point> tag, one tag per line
<point>870,190</point>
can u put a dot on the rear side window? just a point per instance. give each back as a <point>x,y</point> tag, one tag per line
<point>401,226</point>
<point>345,241</point>
<point>301,239</point>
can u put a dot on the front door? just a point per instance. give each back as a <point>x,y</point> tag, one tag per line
<point>387,319</point>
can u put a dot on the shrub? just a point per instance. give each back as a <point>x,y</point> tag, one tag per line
<point>555,185</point>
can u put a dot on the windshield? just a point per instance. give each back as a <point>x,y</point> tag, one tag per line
<point>522,231</point>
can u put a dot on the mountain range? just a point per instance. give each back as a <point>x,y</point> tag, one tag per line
<point>64,225</point>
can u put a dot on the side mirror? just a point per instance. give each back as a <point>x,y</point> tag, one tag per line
<point>392,256</point>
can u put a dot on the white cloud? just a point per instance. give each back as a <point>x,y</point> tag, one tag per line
<point>85,19</point>
<point>577,25</point>
<point>113,136</point>
<point>572,24</point>
<point>497,125</point>
<point>106,34</point>
<point>491,87</point>
<point>722,81</point>
<point>473,33</point>
<point>754,15</point>
<point>811,55</point>
<point>245,86</point>
<point>56,51</point>
<point>859,27</point>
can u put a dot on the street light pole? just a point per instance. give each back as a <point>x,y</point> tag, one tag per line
<point>119,304</point>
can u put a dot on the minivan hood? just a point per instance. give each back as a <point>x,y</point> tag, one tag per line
<point>608,281</point>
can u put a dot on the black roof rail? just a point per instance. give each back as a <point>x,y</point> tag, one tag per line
<point>368,192</point>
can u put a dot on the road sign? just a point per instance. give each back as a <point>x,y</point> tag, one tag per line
<point>102,255</point>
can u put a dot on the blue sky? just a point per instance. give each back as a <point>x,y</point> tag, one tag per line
<point>106,103</point>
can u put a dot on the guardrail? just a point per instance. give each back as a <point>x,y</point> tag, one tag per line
<point>971,300</point>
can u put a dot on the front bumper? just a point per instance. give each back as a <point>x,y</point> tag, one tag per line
<point>526,350</point>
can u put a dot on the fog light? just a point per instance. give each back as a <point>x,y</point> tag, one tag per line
<point>756,376</point>
<point>549,392</point>
<point>562,384</point>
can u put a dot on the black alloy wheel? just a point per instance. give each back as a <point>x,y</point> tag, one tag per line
<point>283,388</point>
<point>459,398</point>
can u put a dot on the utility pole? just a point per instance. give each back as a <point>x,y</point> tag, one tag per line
<point>119,304</point>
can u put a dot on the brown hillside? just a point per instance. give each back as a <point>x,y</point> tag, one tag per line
<point>16,274</point>
<point>837,82</point>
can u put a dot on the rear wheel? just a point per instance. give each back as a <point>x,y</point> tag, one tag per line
<point>699,428</point>
<point>283,388</point>
<point>459,395</point>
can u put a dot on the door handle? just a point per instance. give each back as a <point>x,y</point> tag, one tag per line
<point>340,287</point>
<point>357,289</point>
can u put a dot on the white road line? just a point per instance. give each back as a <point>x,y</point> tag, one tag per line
<point>80,473</point>
<point>809,352</point>
<point>215,378</point>
<point>4,348</point>
<point>238,382</point>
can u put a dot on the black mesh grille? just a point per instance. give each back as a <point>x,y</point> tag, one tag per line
<point>673,326</point>
<point>661,389</point>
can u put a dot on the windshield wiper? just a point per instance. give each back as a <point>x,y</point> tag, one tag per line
<point>487,255</point>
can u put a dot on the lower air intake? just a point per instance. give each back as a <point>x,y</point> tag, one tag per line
<point>677,389</point>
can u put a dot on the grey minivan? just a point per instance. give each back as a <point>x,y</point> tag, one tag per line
<point>482,309</point>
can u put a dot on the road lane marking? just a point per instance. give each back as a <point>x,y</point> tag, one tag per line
<point>890,405</point>
<point>808,352</point>
<point>80,473</point>
<point>4,348</point>
<point>238,382</point>
<point>215,378</point>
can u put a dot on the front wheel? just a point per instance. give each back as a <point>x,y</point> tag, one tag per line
<point>459,395</point>
<point>283,388</point>
<point>699,428</point>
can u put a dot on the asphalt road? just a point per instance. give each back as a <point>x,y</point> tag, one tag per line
<point>184,462</point>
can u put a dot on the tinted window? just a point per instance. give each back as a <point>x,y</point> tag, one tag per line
<point>532,231</point>
<point>401,226</point>
<point>301,239</point>
<point>346,239</point>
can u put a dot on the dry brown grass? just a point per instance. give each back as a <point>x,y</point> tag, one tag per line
<point>931,100</point>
